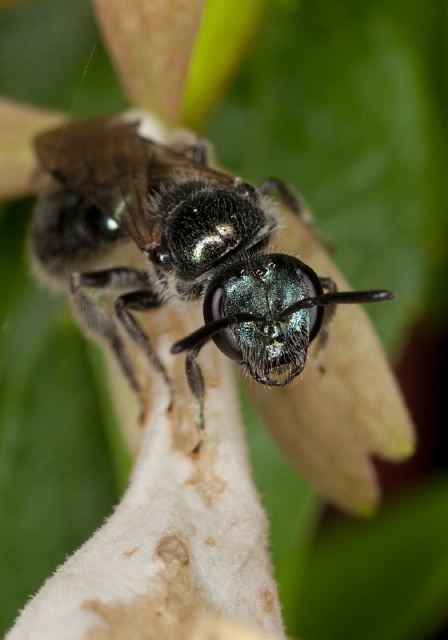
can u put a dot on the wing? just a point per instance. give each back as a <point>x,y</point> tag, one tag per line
<point>106,161</point>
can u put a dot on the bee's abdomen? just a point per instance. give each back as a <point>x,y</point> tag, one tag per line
<point>67,231</point>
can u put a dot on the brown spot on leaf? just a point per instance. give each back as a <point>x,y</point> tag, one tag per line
<point>172,548</point>
<point>144,619</point>
<point>168,610</point>
<point>268,600</point>
<point>204,477</point>
<point>210,542</point>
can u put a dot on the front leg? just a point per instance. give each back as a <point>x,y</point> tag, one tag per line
<point>196,384</point>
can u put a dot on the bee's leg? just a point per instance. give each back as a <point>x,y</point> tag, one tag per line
<point>288,196</point>
<point>95,318</point>
<point>196,383</point>
<point>99,323</point>
<point>329,311</point>
<point>200,153</point>
<point>142,301</point>
<point>110,279</point>
<point>292,200</point>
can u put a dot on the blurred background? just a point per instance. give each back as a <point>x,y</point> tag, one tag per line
<point>347,101</point>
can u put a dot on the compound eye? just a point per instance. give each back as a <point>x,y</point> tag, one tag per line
<point>214,309</point>
<point>312,283</point>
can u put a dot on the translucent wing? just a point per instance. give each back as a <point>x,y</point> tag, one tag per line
<point>107,162</point>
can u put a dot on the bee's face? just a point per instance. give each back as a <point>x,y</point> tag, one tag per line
<point>273,350</point>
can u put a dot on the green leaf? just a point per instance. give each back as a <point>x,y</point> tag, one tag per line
<point>51,56</point>
<point>385,579</point>
<point>206,81</point>
<point>331,101</point>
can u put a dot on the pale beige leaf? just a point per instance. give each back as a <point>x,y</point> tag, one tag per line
<point>189,536</point>
<point>331,424</point>
<point>151,43</point>
<point>18,125</point>
<point>214,628</point>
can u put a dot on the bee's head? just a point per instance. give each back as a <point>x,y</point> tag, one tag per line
<point>272,347</point>
<point>263,310</point>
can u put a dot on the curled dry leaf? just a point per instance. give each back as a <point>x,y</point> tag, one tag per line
<point>150,42</point>
<point>18,126</point>
<point>330,424</point>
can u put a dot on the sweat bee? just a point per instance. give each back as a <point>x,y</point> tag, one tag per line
<point>205,236</point>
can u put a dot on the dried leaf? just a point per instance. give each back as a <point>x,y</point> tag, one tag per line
<point>18,126</point>
<point>151,42</point>
<point>189,536</point>
<point>331,424</point>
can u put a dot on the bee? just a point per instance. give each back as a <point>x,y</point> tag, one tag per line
<point>205,237</point>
